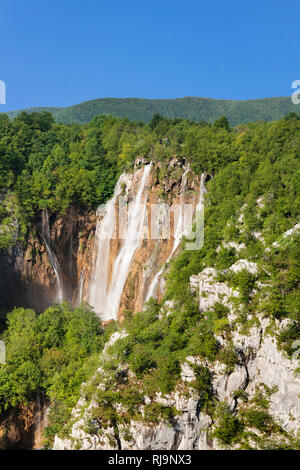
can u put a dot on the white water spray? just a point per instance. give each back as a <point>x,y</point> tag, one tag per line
<point>105,231</point>
<point>80,289</point>
<point>104,297</point>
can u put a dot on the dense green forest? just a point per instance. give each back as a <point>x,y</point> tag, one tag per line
<point>194,108</point>
<point>46,164</point>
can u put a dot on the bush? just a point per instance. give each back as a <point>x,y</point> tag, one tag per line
<point>140,360</point>
<point>229,427</point>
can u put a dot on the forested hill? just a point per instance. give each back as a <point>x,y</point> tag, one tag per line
<point>194,108</point>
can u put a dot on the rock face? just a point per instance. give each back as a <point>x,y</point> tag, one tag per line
<point>209,290</point>
<point>27,277</point>
<point>260,366</point>
<point>162,195</point>
<point>263,363</point>
<point>21,428</point>
<point>189,430</point>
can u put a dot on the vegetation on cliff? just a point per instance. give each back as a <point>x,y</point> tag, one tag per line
<point>51,353</point>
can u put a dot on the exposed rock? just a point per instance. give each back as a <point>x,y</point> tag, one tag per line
<point>209,291</point>
<point>287,234</point>
<point>21,428</point>
<point>236,246</point>
<point>243,264</point>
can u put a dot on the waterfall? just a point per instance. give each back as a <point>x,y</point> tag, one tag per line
<point>182,226</point>
<point>183,219</point>
<point>80,289</point>
<point>105,231</point>
<point>104,296</point>
<point>38,422</point>
<point>203,191</point>
<point>51,255</point>
<point>135,223</point>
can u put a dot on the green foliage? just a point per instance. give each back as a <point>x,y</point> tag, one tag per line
<point>156,413</point>
<point>259,419</point>
<point>229,357</point>
<point>140,360</point>
<point>288,337</point>
<point>229,428</point>
<point>203,386</point>
<point>48,352</point>
<point>245,283</point>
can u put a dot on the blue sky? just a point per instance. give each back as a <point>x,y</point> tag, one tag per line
<point>62,52</point>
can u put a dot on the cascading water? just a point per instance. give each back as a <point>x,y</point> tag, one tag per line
<point>51,255</point>
<point>104,296</point>
<point>135,223</point>
<point>200,205</point>
<point>105,231</point>
<point>80,289</point>
<point>182,226</point>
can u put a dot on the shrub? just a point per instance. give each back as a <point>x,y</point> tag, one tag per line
<point>141,360</point>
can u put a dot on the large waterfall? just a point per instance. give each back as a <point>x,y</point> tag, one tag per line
<point>105,230</point>
<point>105,293</point>
<point>119,248</point>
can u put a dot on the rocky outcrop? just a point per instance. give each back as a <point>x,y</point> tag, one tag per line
<point>21,428</point>
<point>263,363</point>
<point>260,366</point>
<point>191,429</point>
<point>188,431</point>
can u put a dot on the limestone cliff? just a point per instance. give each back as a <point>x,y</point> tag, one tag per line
<point>258,391</point>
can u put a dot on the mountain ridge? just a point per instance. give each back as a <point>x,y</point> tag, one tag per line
<point>189,107</point>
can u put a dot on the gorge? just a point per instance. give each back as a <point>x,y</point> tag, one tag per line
<point>149,285</point>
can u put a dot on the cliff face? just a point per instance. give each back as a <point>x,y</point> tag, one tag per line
<point>253,389</point>
<point>21,428</point>
<point>28,278</point>
<point>262,370</point>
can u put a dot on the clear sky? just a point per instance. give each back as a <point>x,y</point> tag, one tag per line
<point>63,52</point>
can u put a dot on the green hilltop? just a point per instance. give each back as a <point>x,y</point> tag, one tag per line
<point>194,108</point>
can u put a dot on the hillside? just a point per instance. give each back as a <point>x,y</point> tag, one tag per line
<point>194,108</point>
<point>208,358</point>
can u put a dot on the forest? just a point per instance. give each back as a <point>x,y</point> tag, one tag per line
<point>194,108</point>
